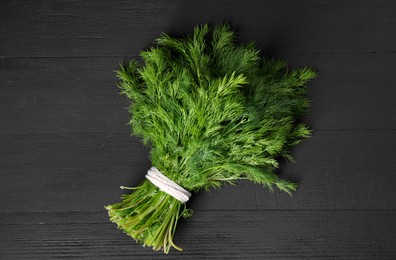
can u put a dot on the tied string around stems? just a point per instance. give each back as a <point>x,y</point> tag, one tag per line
<point>167,185</point>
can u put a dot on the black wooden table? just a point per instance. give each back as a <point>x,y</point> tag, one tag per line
<point>65,148</point>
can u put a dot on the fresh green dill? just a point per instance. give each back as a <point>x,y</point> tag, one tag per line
<point>213,111</point>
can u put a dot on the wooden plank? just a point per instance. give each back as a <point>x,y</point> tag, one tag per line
<point>88,28</point>
<point>65,149</point>
<point>207,235</point>
<point>61,95</point>
<point>83,171</point>
<point>80,94</point>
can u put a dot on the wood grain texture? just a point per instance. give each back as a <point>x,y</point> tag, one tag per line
<point>207,235</point>
<point>83,171</point>
<point>65,148</point>
<point>90,28</point>
<point>60,94</point>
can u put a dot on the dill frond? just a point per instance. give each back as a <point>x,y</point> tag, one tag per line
<point>213,111</point>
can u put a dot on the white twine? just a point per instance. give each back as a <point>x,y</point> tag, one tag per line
<point>167,185</point>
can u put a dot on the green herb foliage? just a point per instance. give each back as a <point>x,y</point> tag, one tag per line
<point>213,112</point>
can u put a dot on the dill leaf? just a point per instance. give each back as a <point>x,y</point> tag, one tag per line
<point>213,112</point>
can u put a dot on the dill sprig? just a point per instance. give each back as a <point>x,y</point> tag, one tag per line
<point>213,112</point>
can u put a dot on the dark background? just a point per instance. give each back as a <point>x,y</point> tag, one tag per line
<point>65,148</point>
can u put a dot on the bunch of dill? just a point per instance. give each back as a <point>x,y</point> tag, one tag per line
<point>213,112</point>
